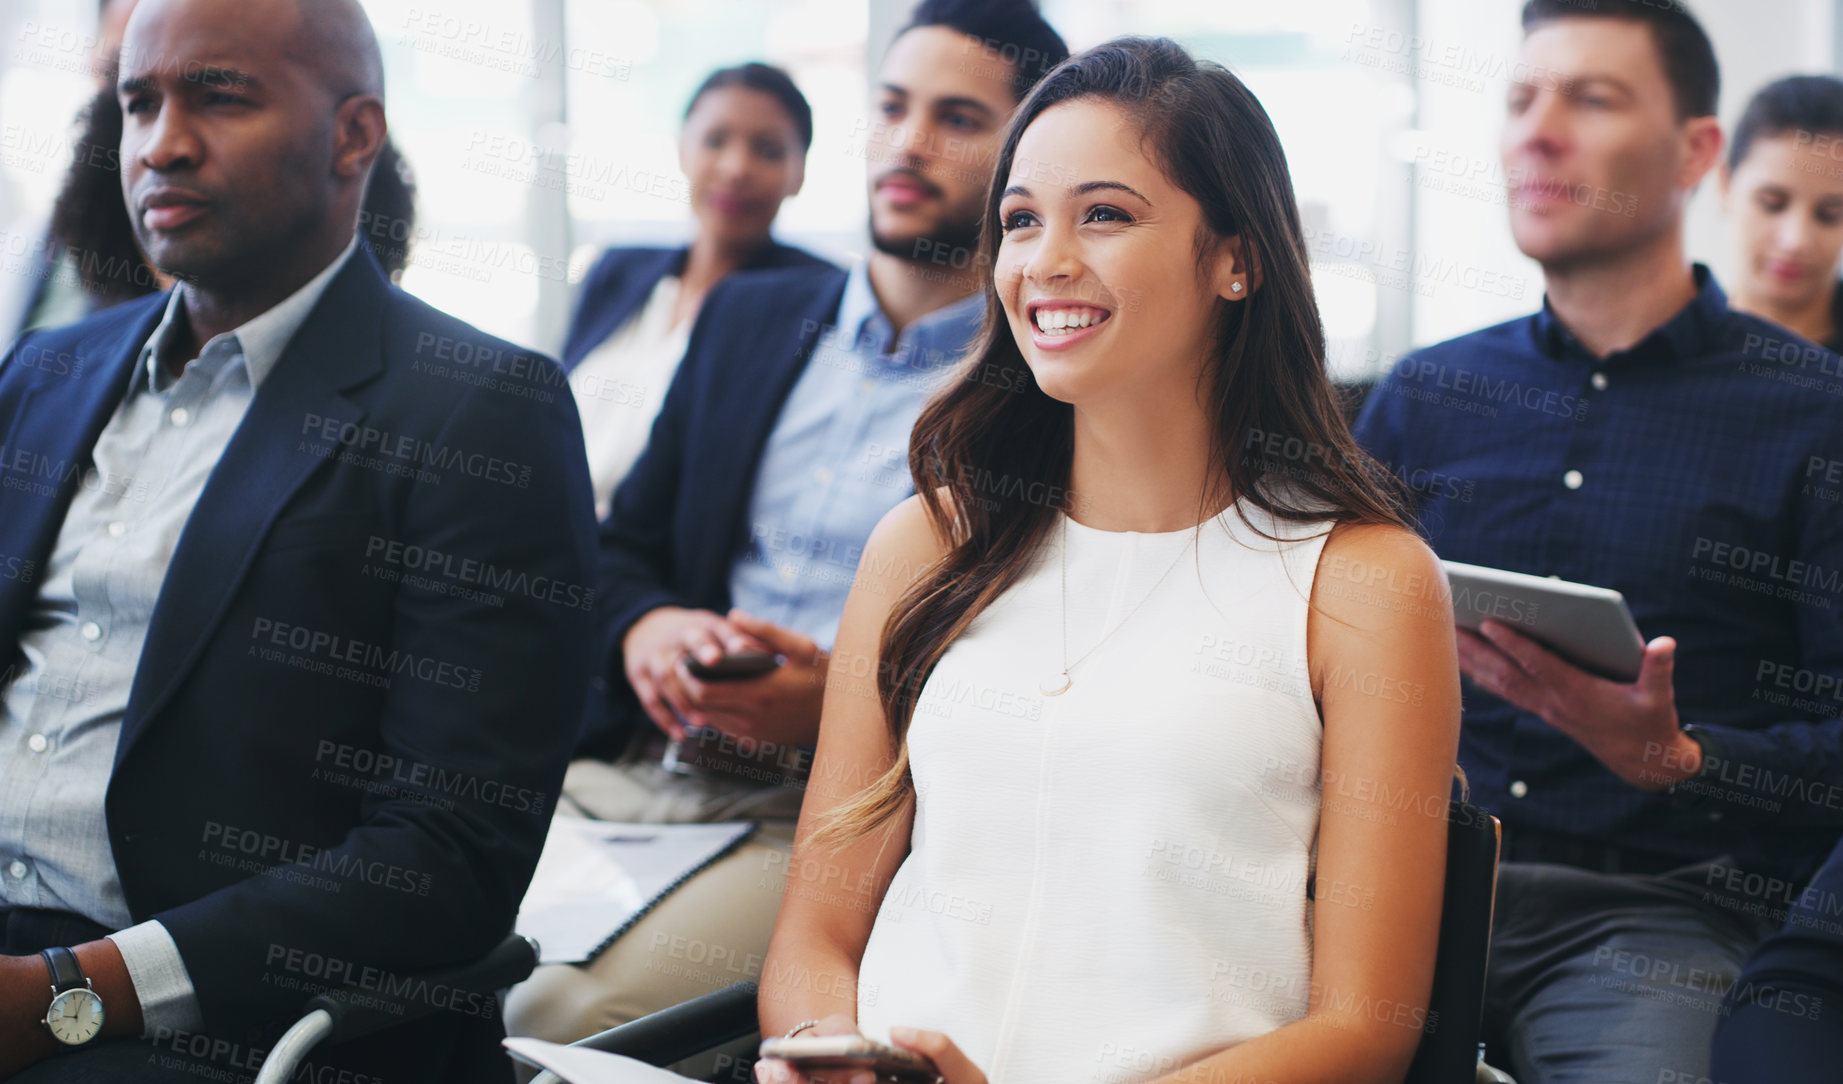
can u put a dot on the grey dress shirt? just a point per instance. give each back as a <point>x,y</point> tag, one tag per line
<point>61,714</point>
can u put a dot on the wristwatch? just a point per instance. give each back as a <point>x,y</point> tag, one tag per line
<point>1694,793</point>
<point>1696,734</point>
<point>76,1015</point>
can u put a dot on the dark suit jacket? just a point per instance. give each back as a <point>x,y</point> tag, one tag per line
<point>251,808</point>
<point>679,519</point>
<point>1776,1021</point>
<point>620,282</point>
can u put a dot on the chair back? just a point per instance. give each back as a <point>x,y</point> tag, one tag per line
<point>1448,1053</point>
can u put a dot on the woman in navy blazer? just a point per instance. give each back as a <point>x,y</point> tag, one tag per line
<point>743,149</point>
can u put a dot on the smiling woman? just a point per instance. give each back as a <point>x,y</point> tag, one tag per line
<point>1077,824</point>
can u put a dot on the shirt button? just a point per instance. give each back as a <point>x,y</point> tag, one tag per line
<point>1572,479</point>
<point>1599,382</point>
<point>91,631</point>
<point>180,416</point>
<point>117,529</point>
<point>823,476</point>
<point>788,572</point>
<point>1518,789</point>
<point>865,387</point>
<point>19,869</point>
<point>38,743</point>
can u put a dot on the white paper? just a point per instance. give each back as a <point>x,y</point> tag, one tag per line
<point>593,876</point>
<point>577,1065</point>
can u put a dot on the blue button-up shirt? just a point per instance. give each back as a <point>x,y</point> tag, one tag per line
<point>61,716</point>
<point>838,457</point>
<point>1700,473</point>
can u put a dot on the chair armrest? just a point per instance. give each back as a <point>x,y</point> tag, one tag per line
<point>339,1015</point>
<point>684,1030</point>
<point>470,989</point>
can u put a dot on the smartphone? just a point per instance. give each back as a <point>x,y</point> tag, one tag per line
<point>737,666</point>
<point>817,1053</point>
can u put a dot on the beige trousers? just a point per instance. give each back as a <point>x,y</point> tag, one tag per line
<point>709,932</point>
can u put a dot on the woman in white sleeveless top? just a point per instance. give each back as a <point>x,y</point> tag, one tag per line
<point>1066,820</point>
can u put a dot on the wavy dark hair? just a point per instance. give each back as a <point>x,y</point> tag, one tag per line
<point>89,221</point>
<point>1265,379</point>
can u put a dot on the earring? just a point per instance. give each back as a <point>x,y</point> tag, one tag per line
<point>1235,287</point>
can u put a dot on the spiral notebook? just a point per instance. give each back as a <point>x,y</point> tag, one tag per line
<point>595,879</point>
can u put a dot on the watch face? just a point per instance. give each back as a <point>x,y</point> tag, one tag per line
<point>75,1017</point>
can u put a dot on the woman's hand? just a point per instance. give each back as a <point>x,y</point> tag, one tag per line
<point>953,1064</point>
<point>781,1071</point>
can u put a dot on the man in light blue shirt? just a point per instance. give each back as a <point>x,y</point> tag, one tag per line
<point>783,441</point>
<point>838,458</point>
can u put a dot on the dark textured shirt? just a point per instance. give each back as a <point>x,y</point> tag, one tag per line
<point>1700,473</point>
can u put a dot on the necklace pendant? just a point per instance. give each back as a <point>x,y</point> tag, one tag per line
<point>1056,686</point>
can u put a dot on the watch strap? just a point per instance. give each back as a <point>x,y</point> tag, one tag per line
<point>1700,737</point>
<point>65,974</point>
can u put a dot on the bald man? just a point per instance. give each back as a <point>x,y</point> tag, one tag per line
<point>293,598</point>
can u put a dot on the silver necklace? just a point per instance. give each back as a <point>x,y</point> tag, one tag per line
<point>1060,684</point>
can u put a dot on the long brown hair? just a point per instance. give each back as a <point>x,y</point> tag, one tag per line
<point>990,454</point>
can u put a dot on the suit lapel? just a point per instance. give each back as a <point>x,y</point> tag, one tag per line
<point>734,483</point>
<point>276,448</point>
<point>60,415</point>
<point>631,290</point>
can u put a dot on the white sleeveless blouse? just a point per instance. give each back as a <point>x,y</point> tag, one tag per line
<point>1109,884</point>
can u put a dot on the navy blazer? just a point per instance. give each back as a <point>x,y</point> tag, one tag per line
<point>1772,1027</point>
<point>680,517</point>
<point>621,281</point>
<point>387,824</point>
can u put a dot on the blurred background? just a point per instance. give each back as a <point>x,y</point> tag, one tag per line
<point>541,131</point>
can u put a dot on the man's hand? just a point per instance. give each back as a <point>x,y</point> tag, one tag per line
<point>651,653</point>
<point>1623,726</point>
<point>781,706</point>
<point>25,994</point>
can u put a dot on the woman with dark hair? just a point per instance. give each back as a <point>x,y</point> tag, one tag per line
<point>1141,725</point>
<point>746,133</point>
<point>1782,188</point>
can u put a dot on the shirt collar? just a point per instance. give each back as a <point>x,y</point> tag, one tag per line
<point>950,327</point>
<point>858,307</point>
<point>1685,334</point>
<point>260,341</point>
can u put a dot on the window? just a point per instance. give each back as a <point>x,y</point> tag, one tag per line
<point>1339,107</point>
